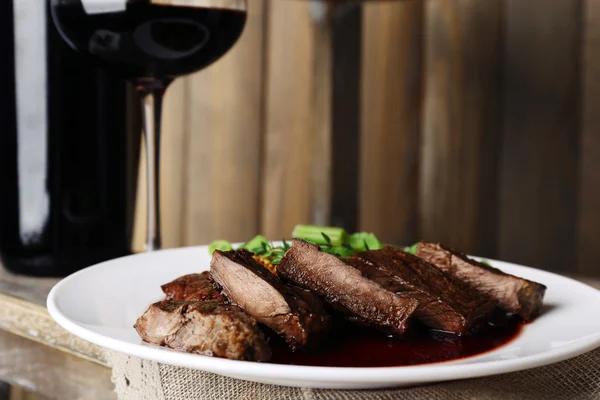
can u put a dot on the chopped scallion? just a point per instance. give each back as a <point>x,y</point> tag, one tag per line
<point>412,249</point>
<point>321,235</point>
<point>222,245</point>
<point>363,241</point>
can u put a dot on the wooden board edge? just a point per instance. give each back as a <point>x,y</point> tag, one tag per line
<point>33,322</point>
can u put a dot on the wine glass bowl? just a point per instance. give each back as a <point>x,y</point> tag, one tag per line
<point>150,43</point>
<point>136,39</point>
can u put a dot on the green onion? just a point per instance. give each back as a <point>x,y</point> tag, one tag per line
<point>321,235</point>
<point>363,241</point>
<point>340,251</point>
<point>258,245</point>
<point>222,245</point>
<point>332,240</point>
<point>412,249</point>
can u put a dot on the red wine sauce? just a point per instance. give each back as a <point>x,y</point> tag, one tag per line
<point>352,346</point>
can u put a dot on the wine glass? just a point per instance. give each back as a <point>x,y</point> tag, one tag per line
<point>150,43</point>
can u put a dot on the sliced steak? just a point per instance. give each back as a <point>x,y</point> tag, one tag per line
<point>293,313</point>
<point>193,287</point>
<point>161,320</point>
<point>208,328</point>
<point>445,303</point>
<point>513,294</point>
<point>343,286</point>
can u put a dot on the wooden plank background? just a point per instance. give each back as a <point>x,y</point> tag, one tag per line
<point>472,122</point>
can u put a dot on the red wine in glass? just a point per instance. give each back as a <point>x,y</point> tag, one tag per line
<point>141,39</point>
<point>151,42</point>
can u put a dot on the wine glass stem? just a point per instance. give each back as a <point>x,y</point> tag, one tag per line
<point>151,94</point>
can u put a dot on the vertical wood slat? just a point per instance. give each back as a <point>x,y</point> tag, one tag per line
<point>221,191</point>
<point>321,92</point>
<point>287,183</point>
<point>588,249</point>
<point>346,31</point>
<point>390,113</point>
<point>174,142</point>
<point>538,199</point>
<point>461,120</point>
<point>312,114</point>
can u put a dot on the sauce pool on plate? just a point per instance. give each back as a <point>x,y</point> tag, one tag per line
<point>352,346</point>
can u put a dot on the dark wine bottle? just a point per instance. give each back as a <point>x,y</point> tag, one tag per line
<point>66,156</point>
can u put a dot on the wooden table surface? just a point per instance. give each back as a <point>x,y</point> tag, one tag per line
<point>37,354</point>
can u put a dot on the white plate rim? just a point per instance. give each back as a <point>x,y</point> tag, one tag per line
<point>434,372</point>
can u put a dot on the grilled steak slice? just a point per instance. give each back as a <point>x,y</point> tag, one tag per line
<point>193,287</point>
<point>445,303</point>
<point>161,320</point>
<point>293,313</point>
<point>513,294</point>
<point>361,299</point>
<point>208,328</point>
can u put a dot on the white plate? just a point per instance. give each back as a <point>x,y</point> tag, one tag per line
<point>100,304</point>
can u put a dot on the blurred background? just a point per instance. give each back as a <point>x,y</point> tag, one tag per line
<point>470,122</point>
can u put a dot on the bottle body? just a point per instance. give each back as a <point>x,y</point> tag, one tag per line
<point>66,155</point>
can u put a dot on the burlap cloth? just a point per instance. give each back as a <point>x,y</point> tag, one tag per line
<point>137,379</point>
